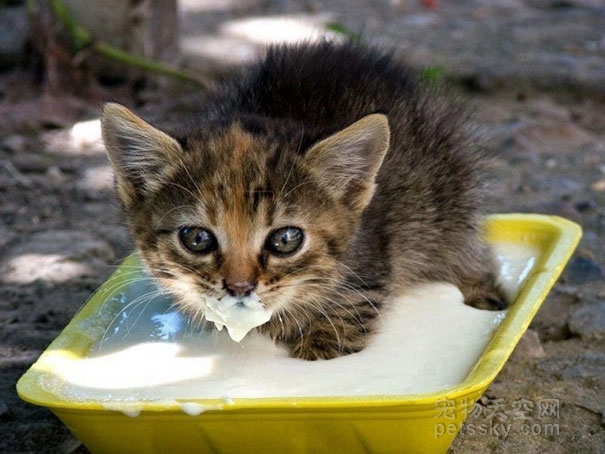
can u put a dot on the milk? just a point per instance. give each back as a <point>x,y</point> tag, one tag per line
<point>239,315</point>
<point>428,340</point>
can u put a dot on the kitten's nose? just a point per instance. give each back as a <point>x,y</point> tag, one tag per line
<point>240,288</point>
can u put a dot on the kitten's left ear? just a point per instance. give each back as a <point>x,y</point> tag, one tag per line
<point>347,162</point>
<point>139,153</point>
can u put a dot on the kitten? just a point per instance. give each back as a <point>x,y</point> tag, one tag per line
<point>318,181</point>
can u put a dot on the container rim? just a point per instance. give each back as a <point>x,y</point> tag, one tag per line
<point>557,238</point>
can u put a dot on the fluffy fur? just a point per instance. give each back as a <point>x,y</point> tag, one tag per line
<point>339,141</point>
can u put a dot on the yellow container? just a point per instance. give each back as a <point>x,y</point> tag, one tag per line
<point>382,424</point>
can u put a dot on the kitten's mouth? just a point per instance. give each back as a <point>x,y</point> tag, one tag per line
<point>240,315</point>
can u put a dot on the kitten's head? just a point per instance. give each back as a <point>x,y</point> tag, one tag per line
<point>227,212</point>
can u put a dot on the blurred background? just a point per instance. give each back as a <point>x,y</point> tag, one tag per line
<point>532,70</point>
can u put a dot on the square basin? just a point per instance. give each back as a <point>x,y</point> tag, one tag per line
<point>333,424</point>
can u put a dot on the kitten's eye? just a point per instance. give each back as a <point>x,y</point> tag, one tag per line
<point>197,240</point>
<point>284,241</point>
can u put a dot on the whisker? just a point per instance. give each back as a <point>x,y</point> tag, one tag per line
<point>180,207</point>
<point>343,301</point>
<point>296,158</point>
<point>144,299</point>
<point>296,187</point>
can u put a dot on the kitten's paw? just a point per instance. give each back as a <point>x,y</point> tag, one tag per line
<point>315,349</point>
<point>482,291</point>
<point>339,330</point>
<point>487,299</point>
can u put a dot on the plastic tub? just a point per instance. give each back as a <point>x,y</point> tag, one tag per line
<point>388,423</point>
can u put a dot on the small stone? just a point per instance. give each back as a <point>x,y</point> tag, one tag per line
<point>529,345</point>
<point>586,365</point>
<point>14,30</point>
<point>582,270</point>
<point>4,410</point>
<point>95,180</point>
<point>55,256</point>
<point>576,394</point>
<point>55,175</point>
<point>72,445</point>
<point>42,318</point>
<point>588,321</point>
<point>546,108</point>
<point>6,236</point>
<point>599,185</point>
<point>13,143</point>
<point>559,4</point>
<point>584,206</point>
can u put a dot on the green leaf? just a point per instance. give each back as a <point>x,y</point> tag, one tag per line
<point>80,38</point>
<point>433,74</point>
<point>340,29</point>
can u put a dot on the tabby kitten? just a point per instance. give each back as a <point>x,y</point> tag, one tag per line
<point>318,181</point>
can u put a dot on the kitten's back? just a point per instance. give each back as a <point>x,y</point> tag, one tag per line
<point>423,212</point>
<point>326,84</point>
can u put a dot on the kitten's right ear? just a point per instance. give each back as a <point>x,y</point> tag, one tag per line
<point>138,152</point>
<point>347,162</point>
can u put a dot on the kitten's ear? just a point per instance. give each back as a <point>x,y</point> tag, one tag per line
<point>347,162</point>
<point>139,153</point>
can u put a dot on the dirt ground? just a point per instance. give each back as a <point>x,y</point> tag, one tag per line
<point>534,72</point>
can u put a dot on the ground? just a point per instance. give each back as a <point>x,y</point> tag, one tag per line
<point>534,72</point>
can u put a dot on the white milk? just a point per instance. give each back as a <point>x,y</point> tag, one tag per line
<point>239,315</point>
<point>428,340</point>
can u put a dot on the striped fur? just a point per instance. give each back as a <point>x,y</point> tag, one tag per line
<point>340,141</point>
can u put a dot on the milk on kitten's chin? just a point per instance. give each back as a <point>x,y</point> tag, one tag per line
<point>238,314</point>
